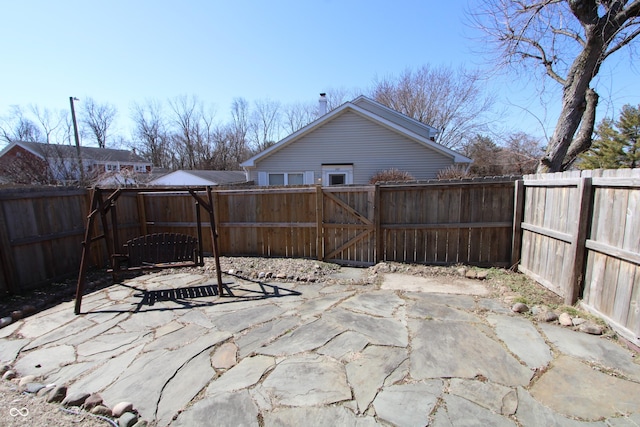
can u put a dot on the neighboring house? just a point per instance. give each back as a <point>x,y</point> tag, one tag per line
<point>60,162</point>
<point>200,177</point>
<point>349,145</point>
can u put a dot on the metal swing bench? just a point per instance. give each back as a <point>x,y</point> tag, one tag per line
<point>149,251</point>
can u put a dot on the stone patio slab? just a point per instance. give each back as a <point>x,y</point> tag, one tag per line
<point>408,404</point>
<point>593,349</point>
<point>380,331</point>
<point>455,349</point>
<point>522,339</point>
<point>585,394</point>
<point>308,380</point>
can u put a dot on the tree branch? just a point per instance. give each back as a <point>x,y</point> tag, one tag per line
<point>622,43</point>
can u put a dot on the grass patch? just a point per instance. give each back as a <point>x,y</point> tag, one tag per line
<point>529,291</point>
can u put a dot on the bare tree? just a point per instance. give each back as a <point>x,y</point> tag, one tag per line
<point>18,127</point>
<point>265,123</point>
<point>150,129</point>
<point>450,100</point>
<point>192,134</point>
<point>52,123</point>
<point>569,40</point>
<point>97,120</point>
<point>297,115</point>
<point>239,128</point>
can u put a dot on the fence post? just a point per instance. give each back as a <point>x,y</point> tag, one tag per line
<point>7,261</point>
<point>573,289</point>
<point>518,213</point>
<point>319,226</point>
<point>142,213</point>
<point>377,221</point>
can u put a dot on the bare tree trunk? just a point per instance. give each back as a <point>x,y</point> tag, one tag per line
<point>577,100</point>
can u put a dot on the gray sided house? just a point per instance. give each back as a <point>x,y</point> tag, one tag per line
<point>349,145</point>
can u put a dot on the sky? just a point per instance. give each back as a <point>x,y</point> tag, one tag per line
<point>122,51</point>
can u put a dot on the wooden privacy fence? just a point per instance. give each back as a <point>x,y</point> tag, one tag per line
<point>580,237</point>
<point>441,222</point>
<point>40,231</point>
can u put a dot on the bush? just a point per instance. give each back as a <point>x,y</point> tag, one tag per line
<point>391,175</point>
<point>454,172</point>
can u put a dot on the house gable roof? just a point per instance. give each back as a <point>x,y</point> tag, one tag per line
<point>70,151</point>
<point>367,108</point>
<point>201,177</point>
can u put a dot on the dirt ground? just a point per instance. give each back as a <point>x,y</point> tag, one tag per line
<point>22,409</point>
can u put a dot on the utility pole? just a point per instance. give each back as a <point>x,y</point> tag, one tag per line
<point>75,134</point>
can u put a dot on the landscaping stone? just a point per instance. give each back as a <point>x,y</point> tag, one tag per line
<point>128,419</point>
<point>547,316</point>
<point>591,328</point>
<point>9,375</point>
<point>5,321</point>
<point>92,401</point>
<point>58,394</point>
<point>577,321</point>
<point>520,307</point>
<point>565,319</point>
<point>76,399</point>
<point>121,408</point>
<point>26,380</point>
<point>101,410</point>
<point>33,388</point>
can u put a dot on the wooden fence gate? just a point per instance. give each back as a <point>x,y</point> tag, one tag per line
<point>348,225</point>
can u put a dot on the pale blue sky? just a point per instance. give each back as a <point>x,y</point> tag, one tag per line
<point>122,52</point>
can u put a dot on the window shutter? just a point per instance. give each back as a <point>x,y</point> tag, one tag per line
<point>309,177</point>
<point>262,178</point>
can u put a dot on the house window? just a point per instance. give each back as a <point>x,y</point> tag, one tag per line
<point>337,174</point>
<point>337,178</point>
<point>140,168</point>
<point>111,167</point>
<point>295,179</point>
<point>276,179</point>
<point>286,178</point>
